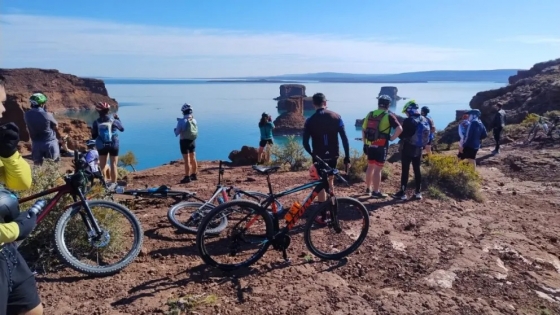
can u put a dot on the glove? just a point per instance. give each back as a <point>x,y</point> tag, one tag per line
<point>346,160</point>
<point>9,139</point>
<point>365,149</point>
<point>26,222</point>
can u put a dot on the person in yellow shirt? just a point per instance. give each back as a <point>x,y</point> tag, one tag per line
<point>377,132</point>
<point>18,289</point>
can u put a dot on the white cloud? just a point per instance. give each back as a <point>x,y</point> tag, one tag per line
<point>93,47</point>
<point>533,39</point>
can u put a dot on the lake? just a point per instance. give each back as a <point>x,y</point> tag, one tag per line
<point>228,113</point>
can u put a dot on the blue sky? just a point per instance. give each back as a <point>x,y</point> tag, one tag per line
<point>211,38</point>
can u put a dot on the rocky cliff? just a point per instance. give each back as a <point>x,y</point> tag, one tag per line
<point>289,90</point>
<point>64,91</point>
<point>291,122</point>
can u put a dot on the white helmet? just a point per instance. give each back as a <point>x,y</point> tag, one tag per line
<point>186,107</point>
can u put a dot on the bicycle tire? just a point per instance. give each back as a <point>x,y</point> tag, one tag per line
<point>532,134</point>
<point>171,216</point>
<point>349,250</point>
<point>105,270</point>
<point>216,211</point>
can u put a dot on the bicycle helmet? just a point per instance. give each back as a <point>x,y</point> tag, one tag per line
<point>38,100</point>
<point>425,110</point>
<point>384,100</point>
<point>186,107</point>
<point>101,106</point>
<point>9,206</point>
<point>265,115</point>
<point>90,143</point>
<point>313,172</point>
<point>474,112</point>
<point>410,107</point>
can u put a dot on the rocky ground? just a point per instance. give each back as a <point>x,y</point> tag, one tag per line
<point>501,256</point>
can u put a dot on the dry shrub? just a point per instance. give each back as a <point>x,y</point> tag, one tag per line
<point>358,166</point>
<point>457,178</point>
<point>291,154</point>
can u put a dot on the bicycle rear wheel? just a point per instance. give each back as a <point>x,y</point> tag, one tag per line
<point>249,228</point>
<point>327,243</point>
<point>532,134</point>
<point>120,227</point>
<point>187,216</point>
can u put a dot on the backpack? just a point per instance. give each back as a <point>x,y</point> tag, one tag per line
<point>191,130</point>
<point>105,132</point>
<point>422,135</point>
<point>372,129</point>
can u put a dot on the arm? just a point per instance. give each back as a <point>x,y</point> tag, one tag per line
<point>483,133</point>
<point>364,127</point>
<point>394,123</point>
<point>15,172</point>
<point>272,125</point>
<point>118,124</point>
<point>94,132</point>
<point>344,138</point>
<point>306,136</point>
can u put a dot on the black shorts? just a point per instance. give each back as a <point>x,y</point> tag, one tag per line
<point>263,143</point>
<point>468,153</point>
<point>331,161</point>
<point>377,156</point>
<point>187,146</point>
<point>24,296</point>
<point>109,150</point>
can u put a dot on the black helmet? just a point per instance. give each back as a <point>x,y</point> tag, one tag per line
<point>425,109</point>
<point>384,100</point>
<point>9,206</point>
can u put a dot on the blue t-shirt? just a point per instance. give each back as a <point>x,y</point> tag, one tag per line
<point>266,130</point>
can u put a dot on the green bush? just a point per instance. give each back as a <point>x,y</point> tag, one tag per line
<point>358,166</point>
<point>457,178</point>
<point>291,154</point>
<point>530,119</point>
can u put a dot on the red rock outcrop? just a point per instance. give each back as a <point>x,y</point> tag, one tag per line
<point>64,91</point>
<point>247,156</point>
<point>289,90</point>
<point>290,122</point>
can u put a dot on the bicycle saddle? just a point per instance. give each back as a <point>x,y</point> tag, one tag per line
<point>266,170</point>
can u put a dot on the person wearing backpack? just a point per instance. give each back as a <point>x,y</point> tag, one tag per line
<point>266,126</point>
<point>498,126</point>
<point>187,130</point>
<point>376,135</point>
<point>43,130</point>
<point>425,111</point>
<point>104,131</point>
<point>475,133</point>
<point>415,136</point>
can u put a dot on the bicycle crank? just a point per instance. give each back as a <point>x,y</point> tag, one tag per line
<point>281,243</point>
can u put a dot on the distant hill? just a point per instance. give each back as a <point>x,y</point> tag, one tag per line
<point>500,76</point>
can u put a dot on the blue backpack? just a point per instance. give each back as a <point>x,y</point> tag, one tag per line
<point>422,135</point>
<point>104,133</point>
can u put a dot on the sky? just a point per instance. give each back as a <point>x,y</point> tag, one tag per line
<point>234,38</point>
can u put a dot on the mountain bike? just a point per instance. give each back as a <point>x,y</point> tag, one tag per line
<point>541,126</point>
<point>95,236</point>
<point>246,214</point>
<point>195,211</point>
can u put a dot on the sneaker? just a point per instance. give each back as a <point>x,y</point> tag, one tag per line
<point>185,180</point>
<point>378,195</point>
<point>400,195</point>
<point>418,195</point>
<point>193,177</point>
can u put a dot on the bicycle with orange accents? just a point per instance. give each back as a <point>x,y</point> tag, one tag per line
<point>256,226</point>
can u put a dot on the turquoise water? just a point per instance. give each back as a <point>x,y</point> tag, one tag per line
<point>228,113</point>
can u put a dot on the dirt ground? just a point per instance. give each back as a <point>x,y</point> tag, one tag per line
<point>501,256</point>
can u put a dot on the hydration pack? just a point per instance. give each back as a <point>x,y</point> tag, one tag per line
<point>191,130</point>
<point>372,130</point>
<point>105,133</point>
<point>422,135</point>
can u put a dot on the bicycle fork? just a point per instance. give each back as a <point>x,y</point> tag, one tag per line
<point>93,228</point>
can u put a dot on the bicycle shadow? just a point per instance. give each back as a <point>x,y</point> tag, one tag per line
<point>152,234</point>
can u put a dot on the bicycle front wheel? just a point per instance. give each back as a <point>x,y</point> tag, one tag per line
<point>186,216</point>
<point>532,134</point>
<point>329,242</point>
<point>246,238</point>
<point>98,255</point>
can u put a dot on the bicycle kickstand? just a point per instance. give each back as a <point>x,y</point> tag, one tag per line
<point>285,255</point>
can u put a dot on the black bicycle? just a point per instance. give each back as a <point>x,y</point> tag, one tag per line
<point>346,217</point>
<point>186,216</point>
<point>541,126</point>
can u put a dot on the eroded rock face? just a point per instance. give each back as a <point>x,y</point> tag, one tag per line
<point>247,156</point>
<point>64,92</point>
<point>292,121</point>
<point>289,90</point>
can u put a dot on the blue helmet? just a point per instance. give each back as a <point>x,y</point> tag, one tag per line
<point>90,143</point>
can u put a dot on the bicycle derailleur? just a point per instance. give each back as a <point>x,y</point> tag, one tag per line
<point>281,243</point>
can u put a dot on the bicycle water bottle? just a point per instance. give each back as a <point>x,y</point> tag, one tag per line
<point>293,213</point>
<point>220,200</point>
<point>37,207</point>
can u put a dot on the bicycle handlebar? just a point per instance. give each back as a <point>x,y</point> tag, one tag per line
<point>332,171</point>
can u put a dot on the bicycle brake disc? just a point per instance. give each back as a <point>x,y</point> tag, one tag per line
<point>102,240</point>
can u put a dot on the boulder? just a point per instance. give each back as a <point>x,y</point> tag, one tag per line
<point>292,121</point>
<point>247,156</point>
<point>64,91</point>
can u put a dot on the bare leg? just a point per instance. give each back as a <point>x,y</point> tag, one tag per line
<point>322,196</point>
<point>114,171</point>
<point>187,168</point>
<point>103,167</point>
<point>376,178</point>
<point>38,310</point>
<point>472,162</point>
<point>260,155</point>
<point>194,165</point>
<point>428,149</point>
<point>369,176</point>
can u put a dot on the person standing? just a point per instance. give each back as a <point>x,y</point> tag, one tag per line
<point>498,125</point>
<point>266,126</point>
<point>323,127</point>
<point>415,136</point>
<point>475,133</point>
<point>425,111</point>
<point>104,131</point>
<point>43,129</point>
<point>378,129</point>
<point>187,130</point>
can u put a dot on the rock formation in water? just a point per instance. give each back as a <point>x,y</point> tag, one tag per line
<point>290,122</point>
<point>64,91</point>
<point>288,91</point>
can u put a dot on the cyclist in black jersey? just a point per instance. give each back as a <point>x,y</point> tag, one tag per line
<point>323,128</point>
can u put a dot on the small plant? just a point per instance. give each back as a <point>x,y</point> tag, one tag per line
<point>435,193</point>
<point>530,119</point>
<point>291,153</point>
<point>189,303</point>
<point>386,171</point>
<point>358,166</point>
<point>458,178</point>
<point>128,160</point>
